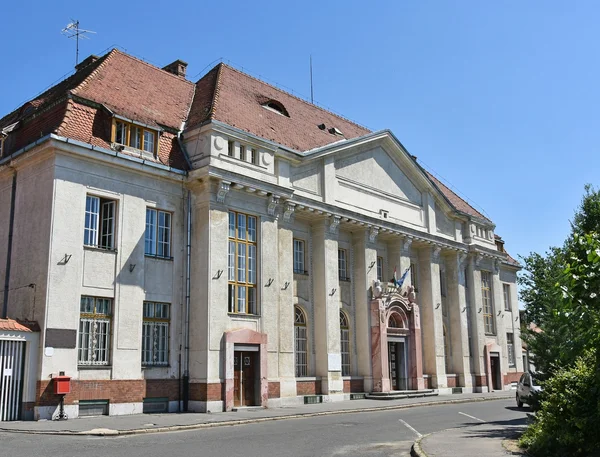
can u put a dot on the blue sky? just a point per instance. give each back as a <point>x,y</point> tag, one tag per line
<point>500,99</point>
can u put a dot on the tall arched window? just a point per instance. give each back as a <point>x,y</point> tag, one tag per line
<point>345,344</point>
<point>300,343</point>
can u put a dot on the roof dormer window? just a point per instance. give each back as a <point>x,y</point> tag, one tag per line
<point>277,107</point>
<point>135,136</point>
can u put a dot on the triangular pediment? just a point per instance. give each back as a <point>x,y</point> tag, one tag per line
<point>377,170</point>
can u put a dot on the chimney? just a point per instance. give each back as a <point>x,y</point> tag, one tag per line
<point>177,68</point>
<point>84,63</point>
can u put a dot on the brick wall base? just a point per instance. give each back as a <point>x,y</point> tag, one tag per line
<point>308,387</point>
<point>480,380</point>
<point>512,377</point>
<point>201,391</point>
<point>451,381</point>
<point>274,390</point>
<point>115,391</point>
<point>354,385</point>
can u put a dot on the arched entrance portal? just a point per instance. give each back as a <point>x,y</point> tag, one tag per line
<point>396,342</point>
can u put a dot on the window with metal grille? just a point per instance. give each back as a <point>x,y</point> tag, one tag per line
<point>155,333</point>
<point>345,344</point>
<point>94,331</point>
<point>299,256</point>
<point>380,268</point>
<point>486,298</point>
<point>342,265</point>
<point>510,349</point>
<point>506,289</point>
<point>242,255</point>
<point>300,340</point>
<point>158,233</point>
<point>99,222</point>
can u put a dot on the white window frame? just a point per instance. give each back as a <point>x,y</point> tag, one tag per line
<point>345,344</point>
<point>243,248</point>
<point>94,335</point>
<point>99,225</point>
<point>157,238</point>
<point>156,323</point>
<point>506,291</point>
<point>300,343</point>
<point>510,349</point>
<point>299,259</point>
<point>342,264</point>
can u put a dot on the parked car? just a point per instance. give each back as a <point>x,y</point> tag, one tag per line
<point>526,389</point>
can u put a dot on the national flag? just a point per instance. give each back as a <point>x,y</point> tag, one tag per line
<point>402,278</point>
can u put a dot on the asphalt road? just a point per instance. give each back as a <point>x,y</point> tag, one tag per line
<point>375,434</point>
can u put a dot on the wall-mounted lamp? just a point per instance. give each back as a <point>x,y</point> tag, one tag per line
<point>438,305</point>
<point>333,291</point>
<point>479,310</point>
<point>218,275</point>
<point>131,267</point>
<point>372,264</point>
<point>285,285</point>
<point>498,313</point>
<point>464,309</point>
<point>65,259</point>
<point>516,318</point>
<point>269,282</point>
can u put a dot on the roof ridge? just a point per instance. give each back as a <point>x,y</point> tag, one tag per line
<point>339,116</point>
<point>216,91</point>
<point>179,78</point>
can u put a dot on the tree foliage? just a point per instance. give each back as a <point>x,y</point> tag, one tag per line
<point>561,291</point>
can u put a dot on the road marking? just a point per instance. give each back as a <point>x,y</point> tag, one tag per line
<point>472,417</point>
<point>410,428</point>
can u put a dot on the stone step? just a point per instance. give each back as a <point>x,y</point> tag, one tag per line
<point>399,394</point>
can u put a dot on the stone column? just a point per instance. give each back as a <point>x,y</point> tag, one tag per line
<point>399,258</point>
<point>365,273</point>
<point>477,328</point>
<point>457,307</point>
<point>285,288</point>
<point>430,299</point>
<point>327,307</point>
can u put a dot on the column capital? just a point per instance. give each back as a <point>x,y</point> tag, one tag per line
<point>334,223</point>
<point>405,246</point>
<point>436,252</point>
<point>223,190</point>
<point>272,204</point>
<point>288,210</point>
<point>373,232</point>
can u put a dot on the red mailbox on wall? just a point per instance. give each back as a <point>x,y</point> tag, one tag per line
<point>62,385</point>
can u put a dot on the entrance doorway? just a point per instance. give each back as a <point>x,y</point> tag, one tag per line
<point>397,356</point>
<point>245,376</point>
<point>495,371</point>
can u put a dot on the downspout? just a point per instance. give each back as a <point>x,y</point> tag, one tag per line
<point>9,245</point>
<point>186,357</point>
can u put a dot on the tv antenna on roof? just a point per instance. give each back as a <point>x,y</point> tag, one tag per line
<point>72,30</point>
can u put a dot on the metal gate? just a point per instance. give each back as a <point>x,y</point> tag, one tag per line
<point>12,354</point>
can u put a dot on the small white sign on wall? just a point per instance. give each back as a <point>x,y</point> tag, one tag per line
<point>49,351</point>
<point>335,362</point>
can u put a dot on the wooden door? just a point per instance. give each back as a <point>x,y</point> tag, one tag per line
<point>244,378</point>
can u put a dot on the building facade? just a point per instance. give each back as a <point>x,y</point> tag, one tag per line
<point>222,244</point>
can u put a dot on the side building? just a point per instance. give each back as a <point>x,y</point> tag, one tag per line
<point>220,244</point>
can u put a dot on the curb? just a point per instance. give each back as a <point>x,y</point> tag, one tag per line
<point>229,423</point>
<point>416,450</point>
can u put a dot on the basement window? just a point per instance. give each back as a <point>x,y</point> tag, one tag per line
<point>277,107</point>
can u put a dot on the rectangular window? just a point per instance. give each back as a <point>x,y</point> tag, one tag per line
<point>510,348</point>
<point>242,261</point>
<point>299,256</point>
<point>95,317</point>
<point>158,233</point>
<point>345,351</point>
<point>342,265</point>
<point>134,136</point>
<point>155,334</point>
<point>301,351</point>
<point>99,228</point>
<point>443,282</point>
<point>242,152</point>
<point>380,268</point>
<point>413,276</point>
<point>252,157</point>
<point>486,298</point>
<point>230,148</point>
<point>506,289</point>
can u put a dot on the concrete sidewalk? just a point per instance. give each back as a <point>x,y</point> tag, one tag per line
<point>154,423</point>
<point>472,441</point>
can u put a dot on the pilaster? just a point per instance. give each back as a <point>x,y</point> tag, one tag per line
<point>365,273</point>
<point>498,306</point>
<point>457,307</point>
<point>327,306</point>
<point>431,315</point>
<point>476,314</point>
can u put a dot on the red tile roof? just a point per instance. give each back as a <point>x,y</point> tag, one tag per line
<point>455,200</point>
<point>235,98</point>
<point>10,325</point>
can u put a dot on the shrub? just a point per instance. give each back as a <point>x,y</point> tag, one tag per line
<point>568,421</point>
